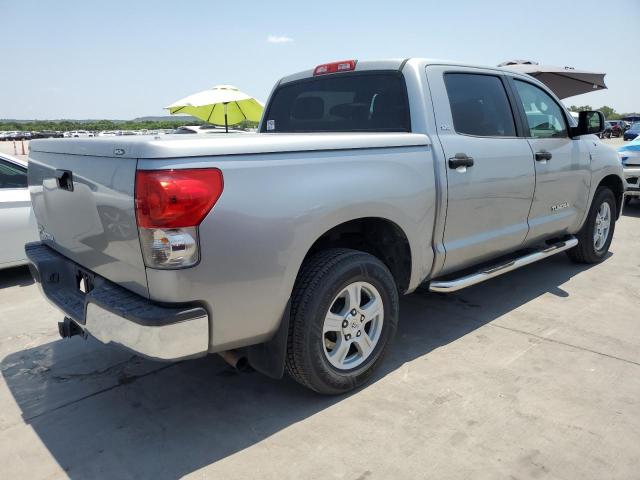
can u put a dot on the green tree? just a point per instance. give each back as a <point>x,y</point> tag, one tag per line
<point>609,113</point>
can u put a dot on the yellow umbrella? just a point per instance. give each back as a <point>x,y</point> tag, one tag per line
<point>220,105</point>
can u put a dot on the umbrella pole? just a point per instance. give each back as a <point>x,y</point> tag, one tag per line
<point>226,125</point>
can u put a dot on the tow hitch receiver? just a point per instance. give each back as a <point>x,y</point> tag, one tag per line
<point>68,328</point>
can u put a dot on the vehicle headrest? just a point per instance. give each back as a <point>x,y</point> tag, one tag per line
<point>308,108</point>
<point>387,109</point>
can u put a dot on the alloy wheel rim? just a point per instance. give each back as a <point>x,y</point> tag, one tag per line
<point>353,325</point>
<point>602,226</point>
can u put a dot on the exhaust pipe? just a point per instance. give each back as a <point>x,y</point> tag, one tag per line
<point>68,328</point>
<point>236,360</point>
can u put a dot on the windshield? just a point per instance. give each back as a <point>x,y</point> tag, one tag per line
<point>353,102</point>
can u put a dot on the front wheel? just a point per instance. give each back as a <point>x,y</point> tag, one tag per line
<point>344,312</point>
<point>596,234</point>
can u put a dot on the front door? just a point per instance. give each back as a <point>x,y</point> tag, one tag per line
<point>563,173</point>
<point>490,170</point>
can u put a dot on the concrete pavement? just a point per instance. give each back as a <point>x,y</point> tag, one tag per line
<point>535,374</point>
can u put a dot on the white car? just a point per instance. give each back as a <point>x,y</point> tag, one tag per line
<point>630,158</point>
<point>17,222</point>
<point>80,134</point>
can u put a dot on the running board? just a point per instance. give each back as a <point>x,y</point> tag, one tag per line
<point>445,286</point>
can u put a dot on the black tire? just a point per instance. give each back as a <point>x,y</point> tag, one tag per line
<point>320,280</point>
<point>585,251</point>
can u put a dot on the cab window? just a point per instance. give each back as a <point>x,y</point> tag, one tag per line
<point>479,105</point>
<point>345,102</point>
<point>544,116</point>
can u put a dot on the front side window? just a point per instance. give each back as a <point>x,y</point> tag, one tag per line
<point>544,115</point>
<point>12,176</point>
<point>354,102</point>
<point>479,105</point>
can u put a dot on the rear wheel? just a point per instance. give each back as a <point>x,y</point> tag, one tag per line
<point>597,232</point>
<point>344,312</point>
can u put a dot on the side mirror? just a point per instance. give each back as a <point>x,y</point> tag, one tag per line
<point>589,122</point>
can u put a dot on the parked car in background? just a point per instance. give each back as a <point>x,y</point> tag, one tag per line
<point>80,134</point>
<point>19,135</point>
<point>617,127</point>
<point>606,133</point>
<point>630,158</point>
<point>204,129</point>
<point>17,222</point>
<point>632,132</point>
<point>46,134</point>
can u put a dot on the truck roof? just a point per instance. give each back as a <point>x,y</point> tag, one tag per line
<point>391,64</point>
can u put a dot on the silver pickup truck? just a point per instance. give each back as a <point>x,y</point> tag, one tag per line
<point>288,248</point>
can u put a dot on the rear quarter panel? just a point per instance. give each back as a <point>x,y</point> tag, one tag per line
<point>273,208</point>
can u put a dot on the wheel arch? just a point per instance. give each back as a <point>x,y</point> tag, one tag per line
<point>378,236</point>
<point>616,185</point>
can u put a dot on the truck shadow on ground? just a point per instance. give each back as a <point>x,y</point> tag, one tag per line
<point>632,209</point>
<point>103,413</point>
<point>16,276</point>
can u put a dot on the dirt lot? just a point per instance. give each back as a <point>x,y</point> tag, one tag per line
<point>535,374</point>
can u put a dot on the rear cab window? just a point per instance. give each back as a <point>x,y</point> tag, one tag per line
<point>368,101</point>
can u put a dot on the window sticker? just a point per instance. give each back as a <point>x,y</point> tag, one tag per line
<point>271,124</point>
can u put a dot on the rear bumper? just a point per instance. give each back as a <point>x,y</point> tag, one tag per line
<point>113,314</point>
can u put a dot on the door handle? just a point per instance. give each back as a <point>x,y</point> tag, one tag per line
<point>543,155</point>
<point>460,160</point>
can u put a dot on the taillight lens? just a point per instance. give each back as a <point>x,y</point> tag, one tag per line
<point>176,198</point>
<point>170,204</point>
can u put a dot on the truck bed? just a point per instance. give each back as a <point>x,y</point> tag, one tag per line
<point>94,224</point>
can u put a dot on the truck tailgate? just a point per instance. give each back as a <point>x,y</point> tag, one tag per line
<point>84,206</point>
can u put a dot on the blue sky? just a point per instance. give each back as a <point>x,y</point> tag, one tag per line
<point>123,59</point>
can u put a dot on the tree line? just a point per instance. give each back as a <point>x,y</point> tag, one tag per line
<point>609,112</point>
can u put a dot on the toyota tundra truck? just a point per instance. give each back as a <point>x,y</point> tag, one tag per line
<point>287,249</point>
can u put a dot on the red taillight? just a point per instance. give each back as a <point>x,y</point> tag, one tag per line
<point>176,198</point>
<point>343,66</point>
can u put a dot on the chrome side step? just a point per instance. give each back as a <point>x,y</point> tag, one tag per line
<point>445,286</point>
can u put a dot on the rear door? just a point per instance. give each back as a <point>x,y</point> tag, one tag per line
<point>490,172</point>
<point>562,164</point>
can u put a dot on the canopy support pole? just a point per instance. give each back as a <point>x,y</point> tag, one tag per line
<point>226,124</point>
